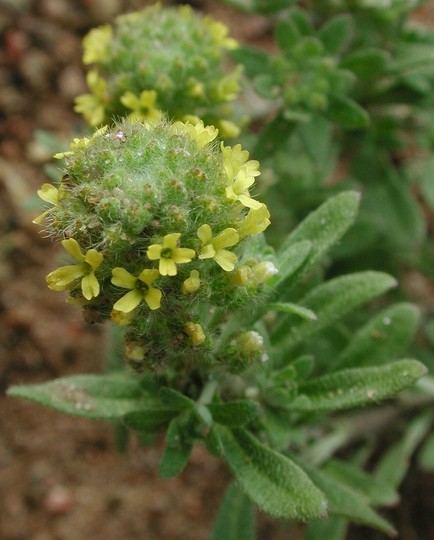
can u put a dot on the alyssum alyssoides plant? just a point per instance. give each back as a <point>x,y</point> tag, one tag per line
<point>225,340</point>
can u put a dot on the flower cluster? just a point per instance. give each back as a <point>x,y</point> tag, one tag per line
<point>160,59</point>
<point>158,217</point>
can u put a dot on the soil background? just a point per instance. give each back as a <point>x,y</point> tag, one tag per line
<point>61,477</point>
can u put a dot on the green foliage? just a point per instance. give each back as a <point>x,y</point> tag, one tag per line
<point>236,517</point>
<point>249,343</point>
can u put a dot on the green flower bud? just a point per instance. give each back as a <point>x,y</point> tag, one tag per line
<point>160,59</point>
<point>158,220</point>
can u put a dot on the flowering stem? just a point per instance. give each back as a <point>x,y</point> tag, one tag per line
<point>208,393</point>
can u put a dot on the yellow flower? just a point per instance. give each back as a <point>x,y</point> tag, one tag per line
<point>141,289</point>
<point>169,254</point>
<point>92,106</point>
<point>228,87</point>
<point>219,32</point>
<point>96,44</point>
<point>255,222</point>
<point>66,277</point>
<point>228,129</point>
<point>200,133</point>
<point>263,271</point>
<point>238,190</point>
<point>195,333</point>
<point>242,276</point>
<point>49,194</point>
<point>214,247</point>
<point>192,283</point>
<point>143,107</point>
<point>235,158</point>
<point>80,144</point>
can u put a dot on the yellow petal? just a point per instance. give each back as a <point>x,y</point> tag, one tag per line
<point>154,252</point>
<point>49,193</point>
<point>171,240</point>
<point>249,202</point>
<point>167,267</point>
<point>41,217</point>
<point>207,252</point>
<point>64,278</point>
<point>227,238</point>
<point>122,278</point>
<point>129,301</point>
<point>183,255</point>
<point>153,298</point>
<point>226,259</point>
<point>90,286</point>
<point>204,233</point>
<point>130,101</point>
<point>149,276</point>
<point>94,258</point>
<point>72,247</point>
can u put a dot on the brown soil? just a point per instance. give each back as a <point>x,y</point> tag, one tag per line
<point>60,477</point>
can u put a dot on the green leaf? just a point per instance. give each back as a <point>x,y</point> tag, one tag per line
<point>426,455</point>
<point>271,480</point>
<point>273,137</point>
<point>347,113</point>
<point>288,307</point>
<point>177,452</point>
<point>395,462</point>
<point>383,338</point>
<point>367,63</point>
<point>149,420</point>
<point>325,226</point>
<point>93,396</point>
<point>234,413</point>
<point>331,301</point>
<point>332,528</point>
<point>426,182</point>
<point>235,519</point>
<point>335,33</point>
<point>271,6</point>
<point>359,386</point>
<point>374,489</point>
<point>286,34</point>
<point>175,400</point>
<point>346,502</point>
<point>302,21</point>
<point>254,60</point>
<point>289,260</point>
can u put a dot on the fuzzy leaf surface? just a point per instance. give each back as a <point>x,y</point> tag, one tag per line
<point>331,301</point>
<point>235,519</point>
<point>149,420</point>
<point>271,480</point>
<point>346,502</point>
<point>93,396</point>
<point>325,226</point>
<point>233,413</point>
<point>383,338</point>
<point>359,386</point>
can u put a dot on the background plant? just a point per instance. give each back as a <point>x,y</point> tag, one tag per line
<point>288,389</point>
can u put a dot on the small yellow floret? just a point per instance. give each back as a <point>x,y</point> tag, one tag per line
<point>195,333</point>
<point>169,254</point>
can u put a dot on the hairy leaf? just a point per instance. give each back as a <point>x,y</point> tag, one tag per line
<point>346,502</point>
<point>335,33</point>
<point>271,480</point>
<point>149,420</point>
<point>235,519</point>
<point>332,301</point>
<point>94,396</point>
<point>383,338</point>
<point>325,226</point>
<point>233,413</point>
<point>359,386</point>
